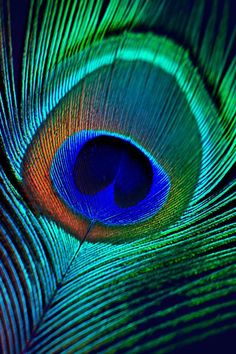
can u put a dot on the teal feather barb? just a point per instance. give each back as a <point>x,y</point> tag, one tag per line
<point>118,151</point>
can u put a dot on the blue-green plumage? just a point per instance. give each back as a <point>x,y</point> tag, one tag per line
<point>159,76</point>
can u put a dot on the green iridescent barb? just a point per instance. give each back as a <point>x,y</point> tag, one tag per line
<point>135,251</point>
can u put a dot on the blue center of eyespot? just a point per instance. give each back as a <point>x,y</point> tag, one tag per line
<point>106,160</point>
<point>108,178</point>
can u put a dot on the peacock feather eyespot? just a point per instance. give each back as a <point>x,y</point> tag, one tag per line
<point>126,142</point>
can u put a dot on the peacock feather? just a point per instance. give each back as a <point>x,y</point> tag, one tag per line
<point>118,151</point>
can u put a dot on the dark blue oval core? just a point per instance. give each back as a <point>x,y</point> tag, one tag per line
<point>108,178</point>
<point>106,160</point>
